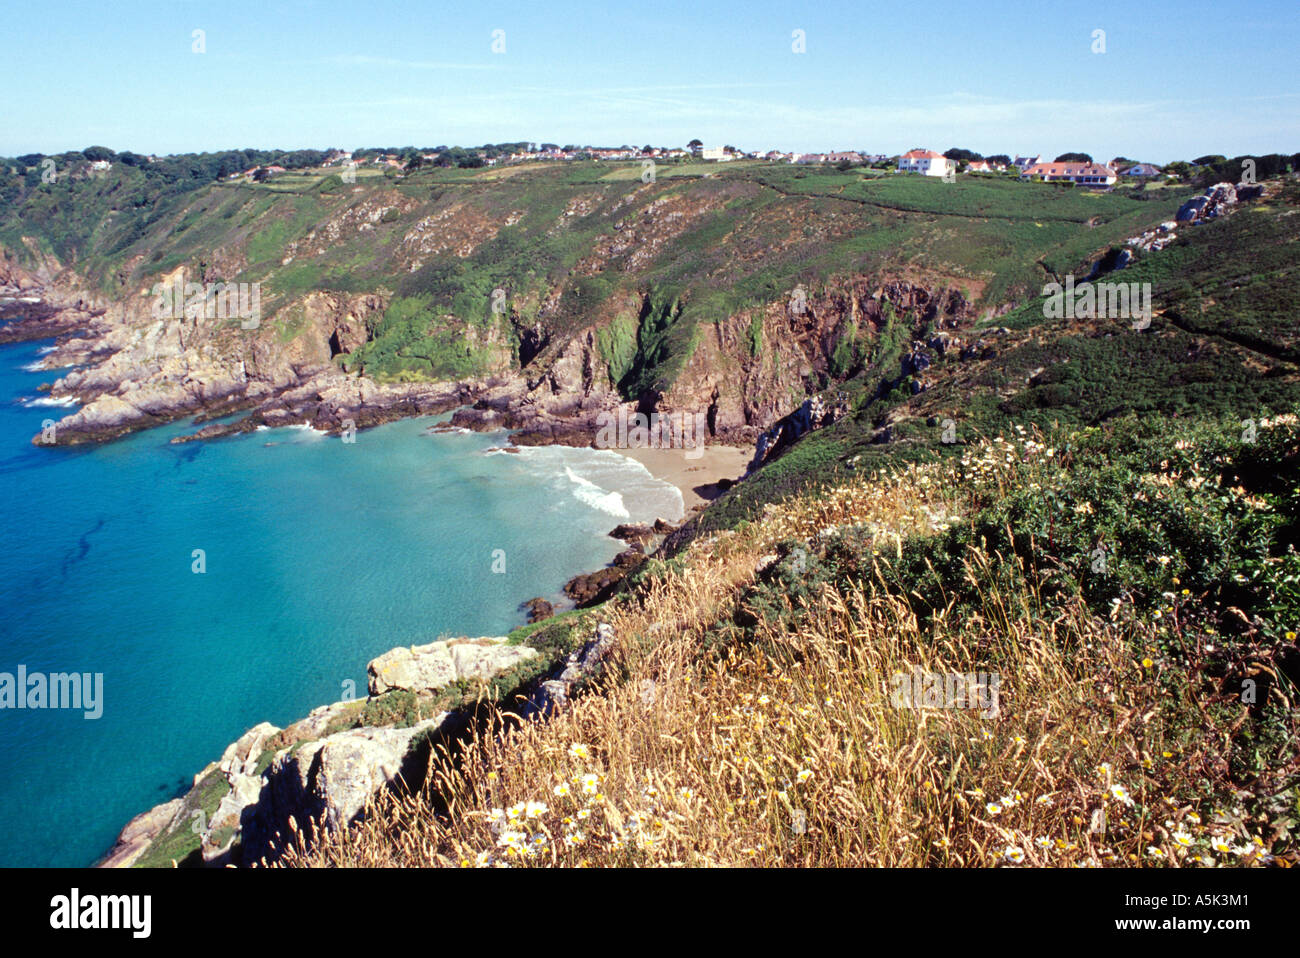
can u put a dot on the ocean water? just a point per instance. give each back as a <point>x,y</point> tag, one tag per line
<point>319,555</point>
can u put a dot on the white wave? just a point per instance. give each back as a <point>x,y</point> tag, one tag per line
<point>591,474</point>
<point>51,401</point>
<point>593,495</point>
<point>46,350</point>
<point>36,367</point>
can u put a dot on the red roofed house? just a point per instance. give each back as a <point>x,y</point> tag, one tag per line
<point>926,162</point>
<point>1084,174</point>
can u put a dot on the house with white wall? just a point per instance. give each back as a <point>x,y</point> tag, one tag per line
<point>1083,174</point>
<point>926,162</point>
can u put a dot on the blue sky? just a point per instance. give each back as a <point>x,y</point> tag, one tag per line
<point>1176,80</point>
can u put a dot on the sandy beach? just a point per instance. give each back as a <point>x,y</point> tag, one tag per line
<point>696,478</point>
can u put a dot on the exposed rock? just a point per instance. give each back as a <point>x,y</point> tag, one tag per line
<point>140,832</point>
<point>1213,203</point>
<point>239,764</point>
<point>629,559</point>
<point>632,532</point>
<point>580,666</point>
<point>538,609</point>
<point>427,668</point>
<point>326,784</point>
<point>593,588</point>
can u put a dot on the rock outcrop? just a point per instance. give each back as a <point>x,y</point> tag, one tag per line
<point>428,668</point>
<point>325,785</point>
<point>581,666</point>
<point>140,833</point>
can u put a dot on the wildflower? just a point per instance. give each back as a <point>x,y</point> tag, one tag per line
<point>1043,842</point>
<point>1183,839</point>
<point>514,811</point>
<point>1014,854</point>
<point>590,783</point>
<point>1154,852</point>
<point>535,809</point>
<point>942,842</point>
<point>804,775</point>
<point>993,808</point>
<point>1043,800</point>
<point>687,793</point>
<point>561,790</point>
<point>1120,794</point>
<point>579,751</point>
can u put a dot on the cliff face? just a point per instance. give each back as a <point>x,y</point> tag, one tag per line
<point>539,297</point>
<point>132,369</point>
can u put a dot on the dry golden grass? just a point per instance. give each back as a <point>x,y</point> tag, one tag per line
<point>789,750</point>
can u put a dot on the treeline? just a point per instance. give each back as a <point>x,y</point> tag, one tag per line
<point>1220,169</point>
<point>181,170</point>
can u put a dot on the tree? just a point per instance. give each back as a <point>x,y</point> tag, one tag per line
<point>961,155</point>
<point>1178,168</point>
<point>695,146</point>
<point>1212,159</point>
<point>999,158</point>
<point>1073,158</point>
<point>94,153</point>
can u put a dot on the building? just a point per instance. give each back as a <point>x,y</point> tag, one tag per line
<point>718,154</point>
<point>849,156</point>
<point>1025,162</point>
<point>927,163</point>
<point>1084,174</point>
<point>1142,169</point>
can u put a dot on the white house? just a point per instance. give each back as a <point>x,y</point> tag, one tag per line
<point>926,162</point>
<point>716,153</point>
<point>1025,162</point>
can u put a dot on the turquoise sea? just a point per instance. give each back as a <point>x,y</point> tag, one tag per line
<point>319,555</point>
